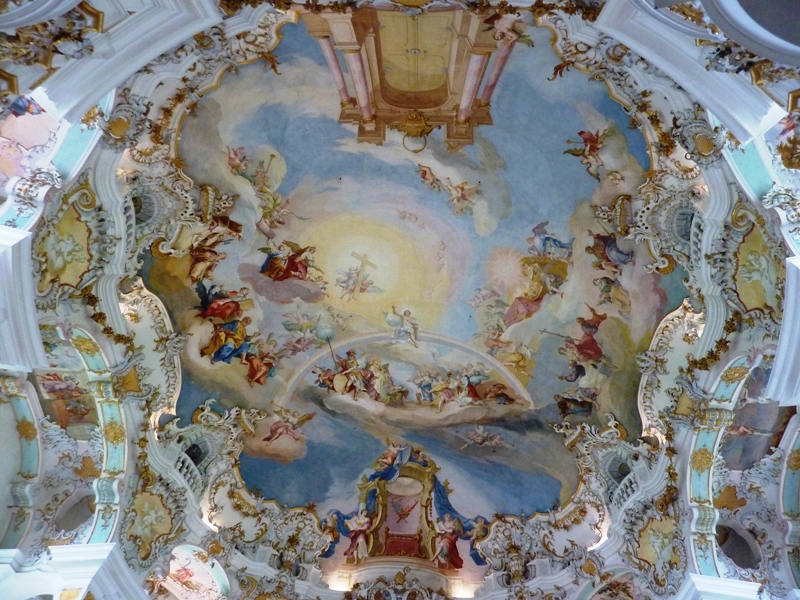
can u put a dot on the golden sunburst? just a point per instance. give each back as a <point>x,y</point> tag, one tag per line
<point>504,271</point>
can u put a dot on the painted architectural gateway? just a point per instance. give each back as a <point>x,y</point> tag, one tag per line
<point>398,300</point>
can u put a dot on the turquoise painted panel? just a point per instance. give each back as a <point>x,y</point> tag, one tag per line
<point>115,453</point>
<point>94,362</point>
<point>752,169</point>
<point>725,391</point>
<point>700,481</point>
<point>78,143</point>
<point>30,448</point>
<point>104,523</point>
<point>28,469</point>
<point>706,564</point>
<point>791,489</point>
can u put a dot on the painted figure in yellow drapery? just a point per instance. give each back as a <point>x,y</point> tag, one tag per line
<point>229,340</point>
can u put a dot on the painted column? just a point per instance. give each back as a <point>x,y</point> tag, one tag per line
<point>475,70</point>
<point>500,60</point>
<point>336,69</point>
<point>356,66</point>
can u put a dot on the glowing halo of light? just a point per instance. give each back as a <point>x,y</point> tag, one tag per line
<point>504,271</point>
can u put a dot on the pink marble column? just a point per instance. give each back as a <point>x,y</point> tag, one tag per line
<point>336,69</point>
<point>501,58</point>
<point>475,69</point>
<point>356,66</point>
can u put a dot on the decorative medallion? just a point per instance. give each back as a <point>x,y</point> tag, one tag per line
<point>154,520</point>
<point>793,460</point>
<point>734,374</point>
<point>26,429</point>
<point>114,433</point>
<point>701,460</point>
<point>85,345</point>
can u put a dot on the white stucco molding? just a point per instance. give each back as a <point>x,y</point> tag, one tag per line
<point>743,109</point>
<point>99,568</point>
<point>114,580</point>
<point>674,20</point>
<point>21,348</point>
<point>729,16</point>
<point>80,84</point>
<point>784,383</point>
<point>702,587</point>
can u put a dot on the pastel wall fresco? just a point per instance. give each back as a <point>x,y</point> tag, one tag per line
<point>758,422</point>
<point>413,322</point>
<point>67,402</point>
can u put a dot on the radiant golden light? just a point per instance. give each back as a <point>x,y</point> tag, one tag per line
<point>504,271</point>
<point>404,270</point>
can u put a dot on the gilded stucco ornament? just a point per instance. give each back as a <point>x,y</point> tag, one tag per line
<point>153,518</point>
<point>27,196</point>
<point>39,44</point>
<point>26,429</point>
<point>729,57</point>
<point>403,585</point>
<point>159,382</point>
<point>793,460</point>
<point>693,11</point>
<point>758,519</point>
<point>278,587</point>
<point>126,123</point>
<point>703,143</point>
<point>786,200</point>
<point>74,244</point>
<point>667,220</point>
<point>62,484</point>
<point>114,433</point>
<point>701,460</point>
<point>734,374</point>
<point>165,200</point>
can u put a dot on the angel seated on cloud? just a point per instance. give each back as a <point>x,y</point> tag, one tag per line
<point>509,29</point>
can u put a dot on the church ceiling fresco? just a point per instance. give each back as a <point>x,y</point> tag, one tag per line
<point>404,314</point>
<point>414,323</point>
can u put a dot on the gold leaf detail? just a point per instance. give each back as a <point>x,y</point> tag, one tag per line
<point>85,345</point>
<point>734,374</point>
<point>793,460</point>
<point>26,429</point>
<point>88,469</point>
<point>114,433</point>
<point>119,127</point>
<point>701,460</point>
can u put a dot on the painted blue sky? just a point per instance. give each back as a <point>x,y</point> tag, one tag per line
<point>526,178</point>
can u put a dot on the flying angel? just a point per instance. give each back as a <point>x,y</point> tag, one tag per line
<point>301,323</point>
<point>428,178</point>
<point>480,437</point>
<point>462,196</point>
<point>589,154</point>
<point>237,160</point>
